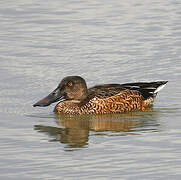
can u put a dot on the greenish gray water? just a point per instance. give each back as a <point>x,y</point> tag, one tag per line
<point>104,42</point>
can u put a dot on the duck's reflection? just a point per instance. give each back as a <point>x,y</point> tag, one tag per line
<point>74,130</point>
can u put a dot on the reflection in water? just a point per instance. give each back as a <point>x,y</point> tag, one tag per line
<point>73,137</point>
<point>74,130</point>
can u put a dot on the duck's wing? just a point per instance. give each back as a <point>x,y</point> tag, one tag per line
<point>106,90</point>
<point>146,89</point>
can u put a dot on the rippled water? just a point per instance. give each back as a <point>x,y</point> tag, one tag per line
<point>105,42</point>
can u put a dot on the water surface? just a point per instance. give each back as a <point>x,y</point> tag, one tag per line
<point>104,42</point>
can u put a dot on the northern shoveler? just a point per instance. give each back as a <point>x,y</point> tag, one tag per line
<point>75,98</point>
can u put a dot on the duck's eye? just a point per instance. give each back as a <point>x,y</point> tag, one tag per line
<point>70,84</point>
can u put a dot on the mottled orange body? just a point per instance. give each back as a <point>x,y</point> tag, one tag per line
<point>125,101</point>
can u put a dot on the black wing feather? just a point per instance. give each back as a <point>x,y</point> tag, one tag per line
<point>146,89</point>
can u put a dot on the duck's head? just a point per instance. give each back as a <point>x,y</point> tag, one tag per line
<point>70,88</point>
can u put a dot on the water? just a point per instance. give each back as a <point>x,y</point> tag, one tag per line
<point>104,42</point>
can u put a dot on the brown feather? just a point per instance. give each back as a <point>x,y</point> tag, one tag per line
<point>125,101</point>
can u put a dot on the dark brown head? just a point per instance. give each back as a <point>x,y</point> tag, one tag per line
<point>70,88</point>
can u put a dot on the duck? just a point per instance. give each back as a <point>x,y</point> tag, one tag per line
<point>75,98</point>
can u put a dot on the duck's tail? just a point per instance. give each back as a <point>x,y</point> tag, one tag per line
<point>148,90</point>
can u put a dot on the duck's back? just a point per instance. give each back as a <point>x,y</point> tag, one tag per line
<point>146,89</point>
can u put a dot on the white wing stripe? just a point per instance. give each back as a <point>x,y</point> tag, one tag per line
<point>159,88</point>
